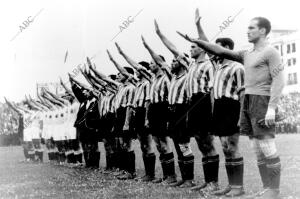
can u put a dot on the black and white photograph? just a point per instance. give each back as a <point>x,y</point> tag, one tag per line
<point>150,99</point>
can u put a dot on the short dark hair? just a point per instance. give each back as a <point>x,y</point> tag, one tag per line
<point>145,64</point>
<point>263,23</point>
<point>129,70</point>
<point>113,77</point>
<point>226,42</point>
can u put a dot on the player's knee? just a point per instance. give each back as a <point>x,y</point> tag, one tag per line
<point>186,149</point>
<point>268,148</point>
<point>207,148</point>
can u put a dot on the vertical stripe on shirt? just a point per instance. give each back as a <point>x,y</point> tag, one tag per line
<point>228,79</point>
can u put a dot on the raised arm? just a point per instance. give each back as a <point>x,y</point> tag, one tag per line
<point>165,41</point>
<point>65,87</point>
<point>200,31</point>
<point>134,64</point>
<point>127,58</point>
<point>215,49</point>
<point>119,68</point>
<point>79,84</point>
<point>52,98</point>
<point>37,104</point>
<point>65,102</point>
<point>155,57</point>
<point>100,75</point>
<point>12,106</point>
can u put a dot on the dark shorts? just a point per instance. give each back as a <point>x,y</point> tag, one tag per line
<point>139,121</point>
<point>120,121</point>
<point>199,116</point>
<point>158,119</point>
<point>178,124</point>
<point>226,115</point>
<point>60,145</point>
<point>88,135</point>
<point>119,124</point>
<point>108,124</point>
<point>254,108</point>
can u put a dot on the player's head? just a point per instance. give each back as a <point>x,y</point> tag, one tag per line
<point>154,67</point>
<point>196,51</point>
<point>145,65</point>
<point>112,76</point>
<point>121,77</point>
<point>176,66</point>
<point>259,27</point>
<point>129,70</point>
<point>225,42</point>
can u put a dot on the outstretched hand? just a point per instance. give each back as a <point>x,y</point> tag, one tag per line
<point>144,42</point>
<point>197,16</point>
<point>89,62</point>
<point>109,55</point>
<point>119,48</point>
<point>185,36</point>
<point>157,30</point>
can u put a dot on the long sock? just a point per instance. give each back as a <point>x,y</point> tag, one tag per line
<point>79,158</point>
<point>168,165</point>
<point>229,170</point>
<point>238,172</point>
<point>96,159</point>
<point>213,162</point>
<point>146,164</point>
<point>123,160</point>
<point>263,171</point>
<point>205,167</point>
<point>86,158</point>
<point>274,171</point>
<point>151,161</point>
<point>211,168</point>
<point>188,167</point>
<point>181,168</point>
<point>131,162</point>
<point>113,160</point>
<point>108,161</point>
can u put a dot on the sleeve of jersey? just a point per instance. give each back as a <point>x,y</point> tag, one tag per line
<point>210,75</point>
<point>240,77</point>
<point>147,92</point>
<point>276,70</point>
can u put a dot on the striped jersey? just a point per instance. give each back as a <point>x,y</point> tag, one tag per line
<point>110,105</point>
<point>228,79</point>
<point>199,78</point>
<point>142,94</point>
<point>125,96</point>
<point>177,91</point>
<point>159,89</point>
<point>101,104</point>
